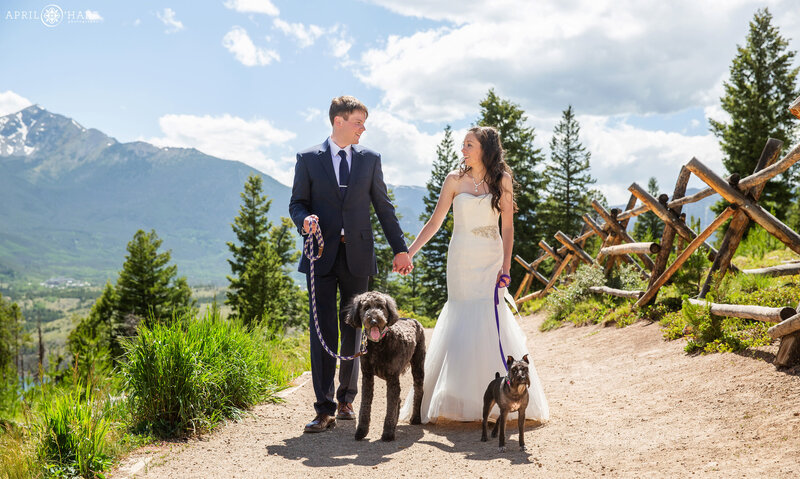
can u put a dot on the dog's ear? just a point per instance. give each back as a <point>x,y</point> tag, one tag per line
<point>351,314</point>
<point>525,359</point>
<point>509,361</point>
<point>391,310</point>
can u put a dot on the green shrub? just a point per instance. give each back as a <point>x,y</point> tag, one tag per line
<point>703,327</point>
<point>426,321</point>
<point>532,306</point>
<point>627,277</point>
<point>562,301</point>
<point>72,434</point>
<point>758,243</point>
<point>189,375</point>
<point>623,315</point>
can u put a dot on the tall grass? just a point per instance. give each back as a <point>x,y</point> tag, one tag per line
<point>186,377</point>
<point>73,433</point>
<point>16,458</point>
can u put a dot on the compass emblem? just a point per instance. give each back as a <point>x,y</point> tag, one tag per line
<point>52,15</point>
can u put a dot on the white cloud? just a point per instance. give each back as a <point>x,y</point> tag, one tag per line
<point>238,42</point>
<point>603,56</point>
<point>253,6</point>
<point>93,16</point>
<point>167,17</point>
<point>10,102</point>
<point>311,114</point>
<point>305,35</point>
<point>623,154</point>
<point>229,137</point>
<point>339,41</point>
<point>407,153</point>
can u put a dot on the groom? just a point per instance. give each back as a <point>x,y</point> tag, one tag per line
<point>334,184</point>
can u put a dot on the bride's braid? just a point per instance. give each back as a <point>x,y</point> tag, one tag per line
<point>494,161</point>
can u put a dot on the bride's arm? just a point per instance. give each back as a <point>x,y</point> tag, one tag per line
<point>507,221</point>
<point>439,214</point>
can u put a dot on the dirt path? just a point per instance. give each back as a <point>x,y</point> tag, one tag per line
<point>624,403</point>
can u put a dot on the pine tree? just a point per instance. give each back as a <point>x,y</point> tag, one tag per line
<point>264,291</point>
<point>260,287</point>
<point>90,341</point>
<point>12,339</point>
<point>568,178</point>
<point>523,158</point>
<point>432,262</point>
<point>148,290</point>
<point>648,226</point>
<point>282,238</point>
<point>761,87</point>
<point>251,228</point>
<point>383,251</point>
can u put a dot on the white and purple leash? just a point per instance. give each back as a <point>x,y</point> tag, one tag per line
<point>507,279</point>
<point>308,250</point>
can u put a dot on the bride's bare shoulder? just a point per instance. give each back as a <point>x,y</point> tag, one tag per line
<point>453,177</point>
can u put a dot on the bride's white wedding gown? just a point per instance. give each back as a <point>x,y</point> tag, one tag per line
<point>463,354</point>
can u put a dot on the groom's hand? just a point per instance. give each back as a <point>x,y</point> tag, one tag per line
<point>307,223</point>
<point>402,264</point>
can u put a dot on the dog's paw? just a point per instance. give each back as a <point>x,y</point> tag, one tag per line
<point>416,420</point>
<point>494,433</point>
<point>387,436</point>
<point>484,438</point>
<point>523,448</point>
<point>361,434</point>
<point>501,449</point>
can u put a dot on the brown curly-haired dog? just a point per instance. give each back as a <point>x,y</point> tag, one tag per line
<point>394,345</point>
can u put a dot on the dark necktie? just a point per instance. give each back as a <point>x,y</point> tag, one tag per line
<point>344,172</point>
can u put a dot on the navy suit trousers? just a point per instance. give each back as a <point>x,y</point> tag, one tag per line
<point>323,365</point>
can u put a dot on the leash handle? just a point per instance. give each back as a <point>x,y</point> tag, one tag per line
<point>308,251</point>
<point>504,278</point>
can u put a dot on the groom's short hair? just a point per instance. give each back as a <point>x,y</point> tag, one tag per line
<point>344,105</point>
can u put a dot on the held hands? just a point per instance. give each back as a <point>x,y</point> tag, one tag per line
<point>503,279</point>
<point>402,264</point>
<point>310,223</point>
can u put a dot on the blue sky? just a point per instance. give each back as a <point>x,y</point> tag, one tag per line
<point>251,80</point>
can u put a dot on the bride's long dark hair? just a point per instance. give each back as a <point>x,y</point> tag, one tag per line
<point>493,159</point>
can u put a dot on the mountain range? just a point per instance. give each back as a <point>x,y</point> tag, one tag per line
<point>72,197</point>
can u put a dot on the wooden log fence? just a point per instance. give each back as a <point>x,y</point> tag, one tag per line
<point>742,194</point>
<point>620,293</point>
<point>629,248</point>
<point>759,313</point>
<point>785,327</point>
<point>779,270</point>
<point>738,226</point>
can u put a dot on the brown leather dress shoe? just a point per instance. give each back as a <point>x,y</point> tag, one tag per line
<point>345,411</point>
<point>320,423</point>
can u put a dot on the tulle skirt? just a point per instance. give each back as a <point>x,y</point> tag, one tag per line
<point>462,359</point>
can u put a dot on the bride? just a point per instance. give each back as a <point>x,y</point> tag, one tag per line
<point>464,355</point>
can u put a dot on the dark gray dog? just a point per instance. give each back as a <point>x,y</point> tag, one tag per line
<point>510,393</point>
<point>394,345</point>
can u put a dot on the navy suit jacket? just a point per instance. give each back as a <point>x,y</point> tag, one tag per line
<point>316,191</point>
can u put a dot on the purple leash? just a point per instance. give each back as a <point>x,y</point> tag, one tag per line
<point>507,279</point>
<point>308,250</point>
